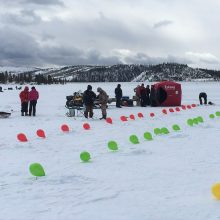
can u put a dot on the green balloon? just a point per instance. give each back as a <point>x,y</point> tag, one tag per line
<point>190,122</point>
<point>211,116</point>
<point>195,121</point>
<point>36,169</point>
<point>85,156</point>
<point>200,119</point>
<point>164,130</point>
<point>157,131</point>
<point>112,145</point>
<point>148,136</point>
<point>217,114</point>
<point>176,127</point>
<point>134,139</point>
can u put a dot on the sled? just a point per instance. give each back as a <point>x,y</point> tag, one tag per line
<point>4,114</point>
<point>75,111</point>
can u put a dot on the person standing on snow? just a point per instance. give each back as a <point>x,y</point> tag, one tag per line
<point>143,95</point>
<point>148,95</point>
<point>103,100</point>
<point>88,99</point>
<point>33,97</point>
<point>24,97</point>
<point>118,95</point>
<point>138,95</point>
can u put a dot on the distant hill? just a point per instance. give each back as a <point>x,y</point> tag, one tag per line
<point>119,73</point>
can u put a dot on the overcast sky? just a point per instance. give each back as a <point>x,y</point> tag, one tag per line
<point>57,32</point>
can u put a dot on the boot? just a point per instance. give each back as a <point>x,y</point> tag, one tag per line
<point>103,117</point>
<point>86,114</point>
<point>22,114</point>
<point>91,114</point>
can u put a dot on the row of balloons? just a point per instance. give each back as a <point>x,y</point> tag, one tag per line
<point>199,119</point>
<point>178,109</point>
<point>164,111</point>
<point>37,169</point>
<point>41,133</point>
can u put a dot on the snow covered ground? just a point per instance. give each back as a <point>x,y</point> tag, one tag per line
<point>168,178</point>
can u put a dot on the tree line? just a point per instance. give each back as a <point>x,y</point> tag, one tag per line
<point>28,77</point>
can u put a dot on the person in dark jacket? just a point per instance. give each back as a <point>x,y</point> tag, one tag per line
<point>118,95</point>
<point>143,95</point>
<point>33,97</point>
<point>88,99</point>
<point>203,95</point>
<point>24,97</point>
<point>153,100</point>
<point>148,95</point>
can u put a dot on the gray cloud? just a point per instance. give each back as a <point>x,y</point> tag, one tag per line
<point>47,32</point>
<point>22,49</point>
<point>24,17</point>
<point>43,2</point>
<point>17,48</point>
<point>25,3</point>
<point>163,23</point>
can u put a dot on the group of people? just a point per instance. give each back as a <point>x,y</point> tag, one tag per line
<point>89,98</point>
<point>28,101</point>
<point>143,95</point>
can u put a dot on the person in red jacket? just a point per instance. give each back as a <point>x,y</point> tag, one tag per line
<point>33,97</point>
<point>24,96</point>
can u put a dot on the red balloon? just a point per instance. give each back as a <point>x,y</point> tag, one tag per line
<point>123,118</point>
<point>152,114</point>
<point>171,110</point>
<point>22,137</point>
<point>65,128</point>
<point>140,115</point>
<point>177,109</point>
<point>183,107</point>
<point>188,106</point>
<point>193,105</point>
<point>132,117</point>
<point>86,126</point>
<point>164,111</point>
<point>109,120</point>
<point>41,133</point>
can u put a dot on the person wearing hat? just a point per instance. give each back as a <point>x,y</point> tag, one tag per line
<point>24,97</point>
<point>103,100</point>
<point>33,97</point>
<point>88,99</point>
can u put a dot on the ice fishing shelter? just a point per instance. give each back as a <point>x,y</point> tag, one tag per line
<point>166,93</point>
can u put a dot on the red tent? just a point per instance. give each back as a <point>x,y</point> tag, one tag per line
<point>166,94</point>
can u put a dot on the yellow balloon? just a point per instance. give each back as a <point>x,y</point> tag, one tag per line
<point>216,190</point>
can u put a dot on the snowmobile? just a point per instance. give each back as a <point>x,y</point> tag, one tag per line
<point>74,103</point>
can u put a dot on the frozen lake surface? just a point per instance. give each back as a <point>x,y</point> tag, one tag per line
<point>168,178</point>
